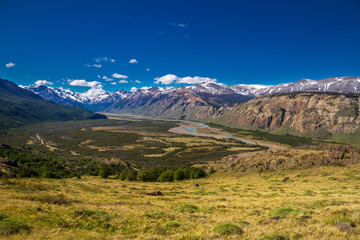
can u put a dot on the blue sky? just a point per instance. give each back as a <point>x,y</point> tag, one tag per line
<point>74,44</point>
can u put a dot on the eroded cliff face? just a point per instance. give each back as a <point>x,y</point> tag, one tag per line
<point>333,113</point>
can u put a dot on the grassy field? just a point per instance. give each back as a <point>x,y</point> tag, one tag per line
<point>308,192</point>
<point>320,203</point>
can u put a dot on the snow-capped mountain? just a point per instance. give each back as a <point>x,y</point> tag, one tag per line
<point>336,84</point>
<point>208,93</point>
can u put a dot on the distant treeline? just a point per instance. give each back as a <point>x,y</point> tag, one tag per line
<point>154,174</point>
<point>21,163</point>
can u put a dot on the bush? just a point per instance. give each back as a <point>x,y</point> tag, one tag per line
<point>167,176</point>
<point>190,208</point>
<point>272,237</point>
<point>10,225</point>
<point>149,175</point>
<point>197,173</point>
<point>227,229</point>
<point>123,175</point>
<point>187,208</point>
<point>131,175</point>
<point>104,170</point>
<point>172,224</point>
<point>179,174</point>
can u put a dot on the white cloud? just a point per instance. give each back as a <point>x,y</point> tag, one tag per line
<point>83,83</point>
<point>137,81</point>
<point>113,83</point>
<point>147,69</point>
<point>133,61</point>
<point>43,82</point>
<point>117,75</point>
<point>10,65</point>
<point>96,88</point>
<point>171,78</point>
<point>93,65</point>
<point>167,79</point>
<point>123,81</point>
<point>178,24</point>
<point>133,89</point>
<point>104,59</point>
<point>105,78</point>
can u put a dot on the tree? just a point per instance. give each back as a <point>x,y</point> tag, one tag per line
<point>167,176</point>
<point>179,174</point>
<point>104,170</point>
<point>131,175</point>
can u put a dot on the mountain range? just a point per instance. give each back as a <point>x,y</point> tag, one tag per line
<point>19,107</point>
<point>211,93</point>
<point>320,109</point>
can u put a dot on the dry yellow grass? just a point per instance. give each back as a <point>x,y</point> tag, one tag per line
<point>320,193</point>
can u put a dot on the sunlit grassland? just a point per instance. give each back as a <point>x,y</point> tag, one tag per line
<point>94,208</point>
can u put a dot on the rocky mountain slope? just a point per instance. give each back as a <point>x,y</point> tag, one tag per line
<point>318,115</point>
<point>21,107</point>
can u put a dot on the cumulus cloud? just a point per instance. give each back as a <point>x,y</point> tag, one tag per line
<point>171,78</point>
<point>123,81</point>
<point>83,83</point>
<point>43,82</point>
<point>10,65</point>
<point>96,88</point>
<point>113,83</point>
<point>147,69</point>
<point>137,81</point>
<point>133,89</point>
<point>133,61</point>
<point>117,75</point>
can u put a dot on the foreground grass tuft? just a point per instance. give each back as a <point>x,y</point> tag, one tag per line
<point>227,229</point>
<point>172,224</point>
<point>190,208</point>
<point>9,225</point>
<point>272,237</point>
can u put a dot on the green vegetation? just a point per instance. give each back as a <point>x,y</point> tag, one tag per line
<point>21,107</point>
<point>227,229</point>
<point>291,140</point>
<point>9,225</point>
<point>272,237</point>
<point>112,148</point>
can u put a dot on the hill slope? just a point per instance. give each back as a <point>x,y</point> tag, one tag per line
<point>319,115</point>
<point>21,107</point>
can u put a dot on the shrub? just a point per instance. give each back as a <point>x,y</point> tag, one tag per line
<point>104,170</point>
<point>179,174</point>
<point>167,176</point>
<point>190,208</point>
<point>197,173</point>
<point>172,224</point>
<point>10,225</point>
<point>272,237</point>
<point>187,208</point>
<point>123,175</point>
<point>149,175</point>
<point>227,229</point>
<point>131,175</point>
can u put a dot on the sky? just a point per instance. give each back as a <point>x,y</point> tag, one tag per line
<point>109,45</point>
